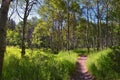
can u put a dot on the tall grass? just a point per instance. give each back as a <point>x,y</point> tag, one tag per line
<point>38,65</point>
<point>100,65</point>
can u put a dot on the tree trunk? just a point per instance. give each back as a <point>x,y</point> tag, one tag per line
<point>73,31</point>
<point>59,33</point>
<point>119,34</point>
<point>24,28</point>
<point>88,31</point>
<point>23,38</point>
<point>68,27</point>
<point>111,34</point>
<point>98,26</point>
<point>3,19</point>
<point>52,36</point>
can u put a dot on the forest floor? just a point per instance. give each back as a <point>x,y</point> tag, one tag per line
<point>81,70</point>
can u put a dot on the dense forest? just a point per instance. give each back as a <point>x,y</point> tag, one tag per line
<point>44,39</point>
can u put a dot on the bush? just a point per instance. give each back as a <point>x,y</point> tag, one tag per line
<point>115,57</point>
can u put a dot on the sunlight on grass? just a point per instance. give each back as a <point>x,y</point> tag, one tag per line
<point>38,64</point>
<point>70,56</point>
<point>100,65</point>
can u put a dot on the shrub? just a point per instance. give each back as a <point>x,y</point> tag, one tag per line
<point>115,57</point>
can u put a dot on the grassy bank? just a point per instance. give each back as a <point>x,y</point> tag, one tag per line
<point>38,65</point>
<point>101,65</point>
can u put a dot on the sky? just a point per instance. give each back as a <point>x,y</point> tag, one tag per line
<point>15,16</point>
<point>17,19</point>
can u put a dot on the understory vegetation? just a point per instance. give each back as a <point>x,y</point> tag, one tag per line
<point>38,65</point>
<point>105,65</point>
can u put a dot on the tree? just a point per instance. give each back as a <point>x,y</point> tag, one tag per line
<point>81,23</point>
<point>11,24</point>
<point>31,24</point>
<point>3,19</point>
<point>87,7</point>
<point>26,7</point>
<point>115,16</point>
<point>40,37</point>
<point>52,12</point>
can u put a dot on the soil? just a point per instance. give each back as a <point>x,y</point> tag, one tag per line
<point>81,72</point>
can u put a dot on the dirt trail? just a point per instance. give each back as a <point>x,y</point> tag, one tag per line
<point>81,70</point>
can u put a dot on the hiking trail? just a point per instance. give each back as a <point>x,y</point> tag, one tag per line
<point>81,70</point>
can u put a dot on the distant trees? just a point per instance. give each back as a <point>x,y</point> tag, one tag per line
<point>13,38</point>
<point>76,24</point>
<point>52,12</point>
<point>60,16</point>
<point>115,18</point>
<point>69,24</point>
<point>40,36</point>
<point>11,24</point>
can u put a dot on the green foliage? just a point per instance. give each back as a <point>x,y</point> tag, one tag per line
<point>83,51</point>
<point>40,34</point>
<point>55,13</point>
<point>114,11</point>
<point>101,66</point>
<point>37,65</point>
<point>115,57</point>
<point>13,37</point>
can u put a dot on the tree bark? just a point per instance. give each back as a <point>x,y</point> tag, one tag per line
<point>73,31</point>
<point>23,37</point>
<point>88,31</point>
<point>3,19</point>
<point>98,26</point>
<point>68,27</point>
<point>24,28</point>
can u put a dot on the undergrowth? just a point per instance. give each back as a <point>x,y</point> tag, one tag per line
<point>100,64</point>
<point>38,65</point>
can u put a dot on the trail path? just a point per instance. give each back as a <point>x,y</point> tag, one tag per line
<point>81,70</point>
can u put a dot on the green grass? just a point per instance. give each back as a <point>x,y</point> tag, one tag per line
<point>38,65</point>
<point>83,51</point>
<point>100,65</point>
